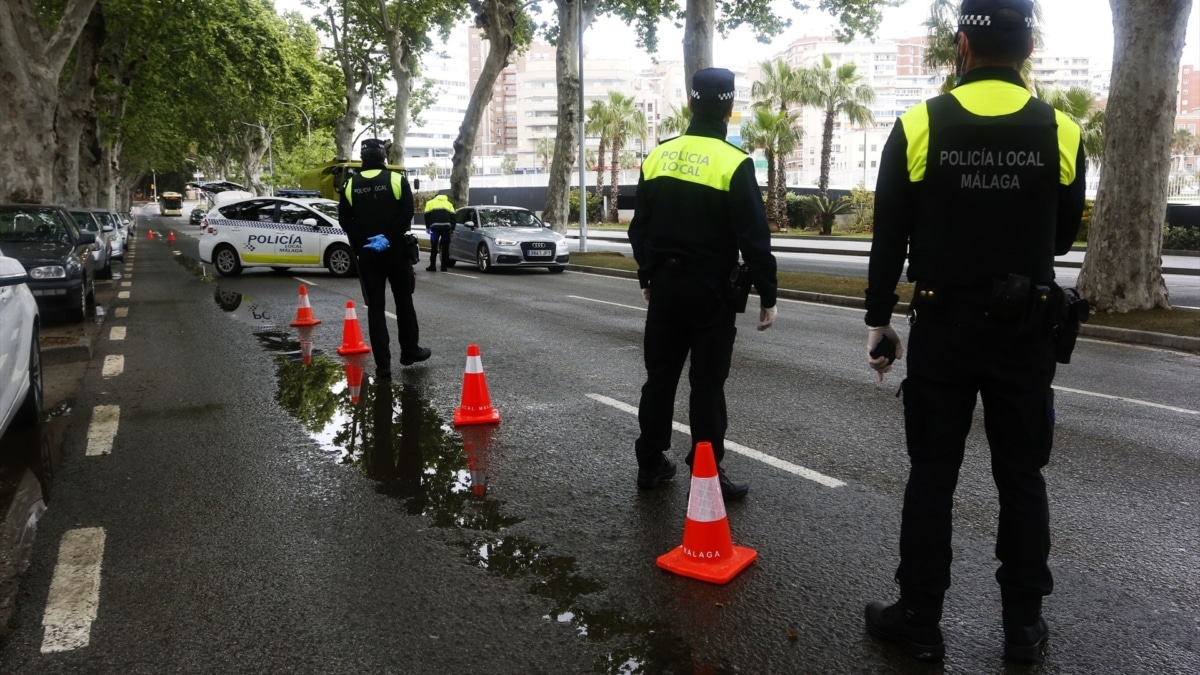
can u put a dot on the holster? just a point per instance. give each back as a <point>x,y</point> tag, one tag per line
<point>413,246</point>
<point>738,289</point>
<point>1067,311</point>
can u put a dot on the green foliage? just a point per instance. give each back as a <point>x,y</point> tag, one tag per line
<point>1181,238</point>
<point>508,165</point>
<point>862,205</point>
<point>1086,220</point>
<point>817,211</point>
<point>595,204</point>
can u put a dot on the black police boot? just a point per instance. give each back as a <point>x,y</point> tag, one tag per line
<point>1023,642</point>
<point>433,268</point>
<point>383,373</point>
<point>730,490</point>
<point>648,479</point>
<point>421,354</point>
<point>920,636</point>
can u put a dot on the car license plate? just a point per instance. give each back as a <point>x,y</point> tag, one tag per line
<point>540,253</point>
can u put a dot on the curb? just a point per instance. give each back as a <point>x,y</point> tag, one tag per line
<point>59,354</point>
<point>1139,337</point>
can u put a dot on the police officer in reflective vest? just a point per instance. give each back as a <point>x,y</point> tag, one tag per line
<point>698,205</point>
<point>375,209</point>
<point>981,187</point>
<point>439,222</point>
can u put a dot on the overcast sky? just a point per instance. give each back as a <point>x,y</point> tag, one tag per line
<point>1070,28</point>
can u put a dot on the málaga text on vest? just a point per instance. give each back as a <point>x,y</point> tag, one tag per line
<point>980,180</point>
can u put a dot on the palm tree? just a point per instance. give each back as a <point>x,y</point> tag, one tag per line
<point>545,151</point>
<point>781,88</point>
<point>1079,105</point>
<point>839,92</point>
<point>942,53</point>
<point>625,122</point>
<point>597,115</point>
<point>776,134</point>
<point>676,122</point>
<point>1182,143</point>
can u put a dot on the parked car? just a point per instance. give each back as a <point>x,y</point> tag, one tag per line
<point>276,232</point>
<point>495,237</point>
<point>20,355</point>
<point>56,254</point>
<point>119,227</point>
<point>197,216</point>
<point>102,253</point>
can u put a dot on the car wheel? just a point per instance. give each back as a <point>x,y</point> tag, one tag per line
<point>225,259</point>
<point>78,311</point>
<point>483,259</point>
<point>31,407</point>
<point>340,261</point>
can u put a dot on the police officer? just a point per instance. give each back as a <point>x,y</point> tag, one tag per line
<point>439,222</point>
<point>983,187</point>
<point>698,204</point>
<point>375,209</point>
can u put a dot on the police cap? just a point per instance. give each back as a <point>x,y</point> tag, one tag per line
<point>1001,14</point>
<point>713,84</point>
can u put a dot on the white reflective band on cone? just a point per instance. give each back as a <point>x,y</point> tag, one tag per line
<point>705,503</point>
<point>474,365</point>
<point>350,313</point>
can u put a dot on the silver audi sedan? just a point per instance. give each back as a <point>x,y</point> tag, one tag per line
<point>495,237</point>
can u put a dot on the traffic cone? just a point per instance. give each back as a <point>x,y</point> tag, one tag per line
<point>149,234</point>
<point>707,553</point>
<point>354,374</point>
<point>171,236</point>
<point>476,406</point>
<point>304,313</point>
<point>477,443</point>
<point>306,352</point>
<point>352,340</point>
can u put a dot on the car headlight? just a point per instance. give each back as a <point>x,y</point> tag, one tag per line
<point>506,242</point>
<point>48,272</point>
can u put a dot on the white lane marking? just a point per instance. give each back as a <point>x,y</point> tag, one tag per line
<point>459,274</point>
<point>103,428</point>
<point>123,295</point>
<point>1129,400</point>
<point>74,591</point>
<point>114,365</point>
<point>117,333</point>
<point>605,302</point>
<point>127,284</point>
<point>122,312</point>
<point>306,282</point>
<point>391,316</point>
<point>795,469</point>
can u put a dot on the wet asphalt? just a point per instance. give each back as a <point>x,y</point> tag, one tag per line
<point>258,518</point>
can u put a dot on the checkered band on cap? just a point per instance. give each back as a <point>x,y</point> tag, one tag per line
<point>727,96</point>
<point>985,20</point>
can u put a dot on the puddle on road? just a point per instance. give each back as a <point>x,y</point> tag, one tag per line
<point>389,430</point>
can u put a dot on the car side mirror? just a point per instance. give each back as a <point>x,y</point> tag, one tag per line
<point>107,228</point>
<point>87,237</point>
<point>311,222</point>
<point>12,272</point>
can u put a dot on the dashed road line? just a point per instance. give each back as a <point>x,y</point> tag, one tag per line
<point>74,591</point>
<point>606,302</point>
<point>740,449</point>
<point>114,365</point>
<point>123,295</point>
<point>122,312</point>
<point>116,333</point>
<point>1126,399</point>
<point>102,430</point>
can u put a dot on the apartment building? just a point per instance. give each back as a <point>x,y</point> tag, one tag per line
<point>446,70</point>
<point>1063,72</point>
<point>1188,101</point>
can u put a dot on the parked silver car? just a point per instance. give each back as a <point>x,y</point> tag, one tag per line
<point>495,237</point>
<point>20,352</point>
<point>102,250</point>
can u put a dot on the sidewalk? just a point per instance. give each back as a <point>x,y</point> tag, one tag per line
<point>1174,262</point>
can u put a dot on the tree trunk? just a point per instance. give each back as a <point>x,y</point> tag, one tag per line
<point>781,192</point>
<point>600,166</point>
<point>401,72</point>
<point>1122,270</point>
<point>771,213</point>
<point>566,139</point>
<point>29,71</point>
<point>698,38</point>
<point>255,142</point>
<point>500,25</point>
<point>826,154</point>
<point>614,181</point>
<point>77,118</point>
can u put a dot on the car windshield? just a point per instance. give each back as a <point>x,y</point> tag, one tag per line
<point>328,208</point>
<point>32,224</point>
<point>85,220</point>
<point>507,218</point>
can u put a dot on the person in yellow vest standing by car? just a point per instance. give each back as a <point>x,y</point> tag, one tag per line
<point>376,210</point>
<point>698,205</point>
<point>439,223</point>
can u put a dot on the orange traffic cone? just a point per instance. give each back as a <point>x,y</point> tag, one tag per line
<point>304,313</point>
<point>477,443</point>
<point>354,374</point>
<point>171,236</point>
<point>352,340</point>
<point>707,553</point>
<point>476,406</point>
<point>149,234</point>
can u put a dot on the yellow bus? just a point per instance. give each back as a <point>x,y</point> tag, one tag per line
<point>329,178</point>
<point>170,204</point>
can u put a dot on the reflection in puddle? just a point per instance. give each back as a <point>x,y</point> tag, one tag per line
<point>392,433</point>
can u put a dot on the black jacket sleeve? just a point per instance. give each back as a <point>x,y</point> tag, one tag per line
<point>1071,200</point>
<point>895,205</point>
<point>637,229</point>
<point>749,218</point>
<point>404,214</point>
<point>347,221</point>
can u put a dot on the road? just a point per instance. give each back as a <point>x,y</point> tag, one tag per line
<point>247,516</point>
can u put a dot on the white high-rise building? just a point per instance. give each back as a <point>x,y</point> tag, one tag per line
<point>432,141</point>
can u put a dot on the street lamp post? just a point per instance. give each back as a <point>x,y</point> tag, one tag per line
<point>582,141</point>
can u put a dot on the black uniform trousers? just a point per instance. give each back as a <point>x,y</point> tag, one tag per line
<point>378,270</point>
<point>955,353</point>
<point>439,243</point>
<point>687,315</point>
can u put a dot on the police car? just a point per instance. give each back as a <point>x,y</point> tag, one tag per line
<point>276,232</point>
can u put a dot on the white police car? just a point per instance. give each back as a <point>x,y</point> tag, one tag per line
<point>276,232</point>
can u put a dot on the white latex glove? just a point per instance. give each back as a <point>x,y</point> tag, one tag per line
<point>766,317</point>
<point>646,295</point>
<point>875,335</point>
